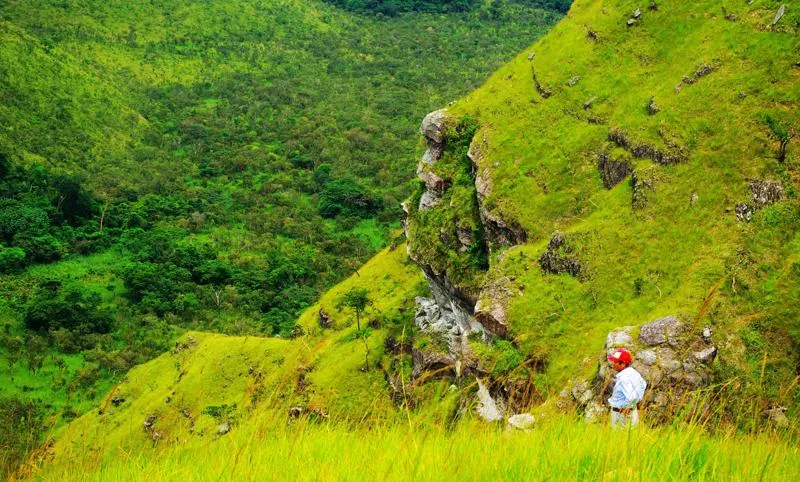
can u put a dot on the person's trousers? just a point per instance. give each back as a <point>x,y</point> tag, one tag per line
<point>620,420</point>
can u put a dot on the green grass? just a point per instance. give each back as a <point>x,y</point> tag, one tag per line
<point>558,448</point>
<point>541,157</point>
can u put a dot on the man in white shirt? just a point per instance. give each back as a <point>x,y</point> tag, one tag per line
<point>628,390</point>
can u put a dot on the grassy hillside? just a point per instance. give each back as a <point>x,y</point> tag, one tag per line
<point>177,165</point>
<point>557,448</point>
<point>209,380</point>
<point>661,146</point>
<point>687,103</point>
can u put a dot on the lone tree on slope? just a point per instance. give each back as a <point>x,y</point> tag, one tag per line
<point>357,299</point>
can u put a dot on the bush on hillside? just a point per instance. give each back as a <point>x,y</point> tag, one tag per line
<point>347,197</point>
<point>157,288</point>
<point>12,260</point>
<point>71,308</point>
<point>18,219</point>
<point>41,249</point>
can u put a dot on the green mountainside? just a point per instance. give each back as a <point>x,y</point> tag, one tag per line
<point>638,163</point>
<point>172,166</point>
<point>629,167</point>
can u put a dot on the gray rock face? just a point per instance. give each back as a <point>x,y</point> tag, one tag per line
<point>706,355</point>
<point>581,392</point>
<point>488,408</point>
<point>594,412</point>
<point>620,338</point>
<point>744,212</point>
<point>433,129</point>
<point>652,107</point>
<point>521,421</point>
<point>706,334</point>
<point>323,319</point>
<point>223,428</point>
<point>543,91</point>
<point>149,422</point>
<point>573,81</point>
<point>428,200</point>
<point>647,357</point>
<point>766,192</point>
<point>449,317</point>
<point>491,308</point>
<point>433,126</point>
<point>662,330</point>
<point>465,239</point>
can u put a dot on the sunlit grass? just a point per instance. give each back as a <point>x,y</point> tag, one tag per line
<point>558,448</point>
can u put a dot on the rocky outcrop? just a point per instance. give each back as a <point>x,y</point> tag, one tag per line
<point>521,421</point>
<point>487,407</point>
<point>560,257</point>
<point>662,330</point>
<point>324,319</point>
<point>674,155</point>
<point>436,364</point>
<point>672,359</point>
<point>491,308</point>
<point>540,88</point>
<point>433,130</point>
<point>613,171</point>
<point>701,71</point>
<point>643,183</point>
<point>498,231</point>
<point>765,192</point>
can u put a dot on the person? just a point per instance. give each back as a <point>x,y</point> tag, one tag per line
<point>628,390</point>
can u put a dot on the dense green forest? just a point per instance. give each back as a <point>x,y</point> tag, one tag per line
<point>203,165</point>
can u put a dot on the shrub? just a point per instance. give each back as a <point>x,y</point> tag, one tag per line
<point>42,249</point>
<point>346,197</point>
<point>18,219</point>
<point>12,260</point>
<point>55,307</point>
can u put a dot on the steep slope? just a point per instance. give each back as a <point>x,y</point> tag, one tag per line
<point>209,384</point>
<point>626,167</point>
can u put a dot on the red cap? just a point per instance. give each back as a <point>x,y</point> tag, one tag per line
<point>621,355</point>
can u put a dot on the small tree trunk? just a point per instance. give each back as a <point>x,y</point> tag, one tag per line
<point>103,214</point>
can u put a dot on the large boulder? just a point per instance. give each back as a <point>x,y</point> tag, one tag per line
<point>662,330</point>
<point>433,126</point>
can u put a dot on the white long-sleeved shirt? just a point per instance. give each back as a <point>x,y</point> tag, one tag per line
<point>628,389</point>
